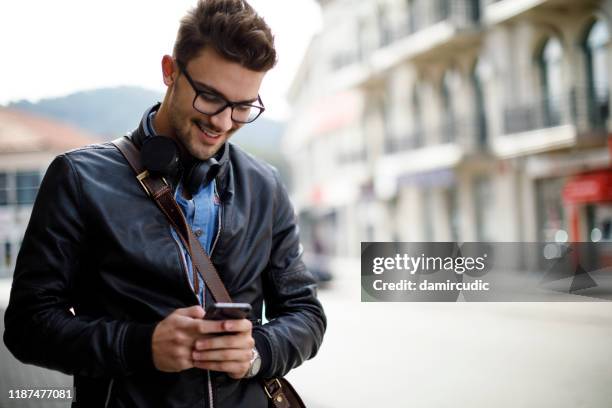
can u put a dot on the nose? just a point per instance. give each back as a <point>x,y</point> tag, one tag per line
<point>222,121</point>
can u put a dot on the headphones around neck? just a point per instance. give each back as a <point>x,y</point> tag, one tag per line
<point>162,155</point>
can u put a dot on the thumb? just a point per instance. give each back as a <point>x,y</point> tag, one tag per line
<point>195,312</point>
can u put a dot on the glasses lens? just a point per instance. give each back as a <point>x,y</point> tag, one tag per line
<point>245,113</point>
<point>208,103</point>
<point>211,104</point>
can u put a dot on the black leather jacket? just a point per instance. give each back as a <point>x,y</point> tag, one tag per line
<point>98,244</point>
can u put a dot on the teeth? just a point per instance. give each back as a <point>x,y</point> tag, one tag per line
<point>203,129</point>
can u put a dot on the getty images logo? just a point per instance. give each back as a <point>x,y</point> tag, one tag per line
<point>423,263</point>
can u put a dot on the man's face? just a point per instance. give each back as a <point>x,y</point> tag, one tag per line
<point>203,135</point>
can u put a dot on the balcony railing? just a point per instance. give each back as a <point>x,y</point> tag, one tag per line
<point>427,13</point>
<point>587,109</point>
<point>409,141</point>
<point>591,109</point>
<point>469,132</point>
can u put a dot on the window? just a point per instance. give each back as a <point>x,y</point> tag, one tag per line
<point>443,9</point>
<point>550,60</point>
<point>428,209</point>
<point>386,36</point>
<point>486,218</point>
<point>4,190</point>
<point>552,219</point>
<point>27,186</point>
<point>417,117</point>
<point>384,107</point>
<point>448,121</point>
<point>475,10</point>
<point>452,209</point>
<point>412,18</point>
<point>480,118</point>
<point>595,47</point>
<point>8,259</point>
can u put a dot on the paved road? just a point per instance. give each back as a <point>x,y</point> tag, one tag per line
<point>476,355</point>
<point>433,355</point>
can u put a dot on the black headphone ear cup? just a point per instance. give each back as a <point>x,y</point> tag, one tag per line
<point>160,155</point>
<point>201,173</point>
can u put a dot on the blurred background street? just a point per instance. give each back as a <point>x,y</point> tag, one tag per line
<point>446,355</point>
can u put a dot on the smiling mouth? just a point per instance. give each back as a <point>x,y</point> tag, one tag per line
<point>206,131</point>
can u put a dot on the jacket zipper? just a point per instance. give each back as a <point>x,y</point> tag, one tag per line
<point>212,249</point>
<point>108,393</point>
<point>210,392</point>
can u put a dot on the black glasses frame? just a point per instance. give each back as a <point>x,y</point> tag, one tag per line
<point>227,104</point>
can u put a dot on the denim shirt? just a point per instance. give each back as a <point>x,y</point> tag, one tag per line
<point>201,213</point>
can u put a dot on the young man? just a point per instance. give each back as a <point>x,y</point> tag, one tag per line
<point>105,290</point>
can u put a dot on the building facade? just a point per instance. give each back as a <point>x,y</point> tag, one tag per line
<point>453,120</point>
<point>28,144</point>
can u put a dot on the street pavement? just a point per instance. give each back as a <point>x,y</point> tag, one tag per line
<point>431,355</point>
<point>456,355</point>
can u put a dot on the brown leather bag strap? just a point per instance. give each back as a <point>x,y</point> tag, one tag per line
<point>158,189</point>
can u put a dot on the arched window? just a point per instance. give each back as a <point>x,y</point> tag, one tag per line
<point>551,59</point>
<point>595,47</point>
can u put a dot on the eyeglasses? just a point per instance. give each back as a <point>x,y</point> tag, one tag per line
<point>211,103</point>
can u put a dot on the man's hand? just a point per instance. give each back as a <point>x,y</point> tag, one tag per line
<point>230,353</point>
<point>175,336</point>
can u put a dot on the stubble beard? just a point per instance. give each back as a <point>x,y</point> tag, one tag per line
<point>181,126</point>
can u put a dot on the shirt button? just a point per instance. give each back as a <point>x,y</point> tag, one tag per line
<point>198,233</point>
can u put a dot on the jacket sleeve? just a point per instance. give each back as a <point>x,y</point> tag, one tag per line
<point>40,329</point>
<point>296,320</point>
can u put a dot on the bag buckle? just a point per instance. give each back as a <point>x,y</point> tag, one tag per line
<point>271,393</point>
<point>143,176</point>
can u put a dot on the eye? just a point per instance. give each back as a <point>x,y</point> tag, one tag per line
<point>211,98</point>
<point>242,108</point>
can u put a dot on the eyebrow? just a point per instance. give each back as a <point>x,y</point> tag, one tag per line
<point>203,87</point>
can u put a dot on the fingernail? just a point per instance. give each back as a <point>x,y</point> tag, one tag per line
<point>228,326</point>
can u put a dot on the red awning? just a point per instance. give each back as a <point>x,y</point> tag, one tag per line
<point>589,188</point>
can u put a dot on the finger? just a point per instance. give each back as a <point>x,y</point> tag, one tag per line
<point>233,326</point>
<point>203,326</point>
<point>239,355</point>
<point>230,341</point>
<point>195,312</point>
<point>240,325</point>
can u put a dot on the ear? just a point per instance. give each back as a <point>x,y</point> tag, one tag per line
<point>169,70</point>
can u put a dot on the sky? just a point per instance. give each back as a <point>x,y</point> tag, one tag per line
<point>53,48</point>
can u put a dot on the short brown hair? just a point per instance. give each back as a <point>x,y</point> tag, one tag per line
<point>230,27</point>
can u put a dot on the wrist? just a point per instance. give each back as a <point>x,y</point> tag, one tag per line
<point>255,364</point>
<point>265,352</point>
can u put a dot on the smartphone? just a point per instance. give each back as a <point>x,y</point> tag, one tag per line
<point>227,311</point>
